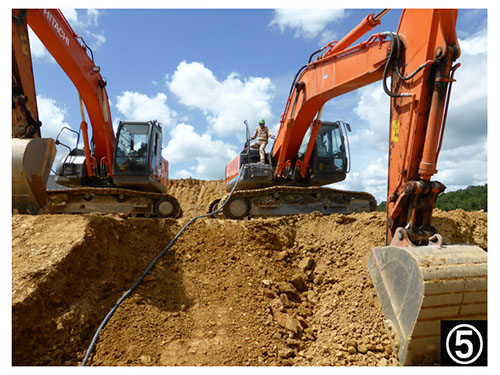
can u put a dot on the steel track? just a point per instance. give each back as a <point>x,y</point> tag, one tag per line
<point>110,200</point>
<point>339,196</point>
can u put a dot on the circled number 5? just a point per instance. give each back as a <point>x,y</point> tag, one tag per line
<point>461,341</point>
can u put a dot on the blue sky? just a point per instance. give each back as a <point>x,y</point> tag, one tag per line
<point>202,72</point>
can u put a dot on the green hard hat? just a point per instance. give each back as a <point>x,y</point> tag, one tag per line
<point>262,121</point>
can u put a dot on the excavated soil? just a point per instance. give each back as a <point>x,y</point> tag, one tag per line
<point>195,196</point>
<point>280,291</point>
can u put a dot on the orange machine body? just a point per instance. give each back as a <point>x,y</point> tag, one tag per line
<point>25,122</point>
<point>232,170</point>
<point>417,121</point>
<point>96,175</point>
<point>164,172</point>
<point>417,107</point>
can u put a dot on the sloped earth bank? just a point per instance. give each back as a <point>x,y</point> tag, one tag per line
<point>195,196</point>
<point>281,291</point>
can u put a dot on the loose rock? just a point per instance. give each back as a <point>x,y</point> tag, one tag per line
<point>305,264</point>
<point>207,301</point>
<point>298,282</point>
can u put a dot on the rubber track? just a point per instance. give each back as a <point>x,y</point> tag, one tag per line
<point>254,193</point>
<point>117,191</point>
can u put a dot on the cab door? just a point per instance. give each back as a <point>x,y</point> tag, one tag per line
<point>137,160</point>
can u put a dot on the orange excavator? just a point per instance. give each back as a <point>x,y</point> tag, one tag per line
<point>419,279</point>
<point>123,174</point>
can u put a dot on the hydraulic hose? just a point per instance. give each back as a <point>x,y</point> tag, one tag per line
<point>396,46</point>
<point>141,278</point>
<point>386,68</point>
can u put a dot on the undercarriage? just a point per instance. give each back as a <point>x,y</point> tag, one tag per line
<point>113,200</point>
<point>293,200</point>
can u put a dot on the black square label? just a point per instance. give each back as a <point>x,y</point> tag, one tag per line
<point>464,343</point>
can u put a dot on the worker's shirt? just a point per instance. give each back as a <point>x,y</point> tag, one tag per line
<point>262,134</point>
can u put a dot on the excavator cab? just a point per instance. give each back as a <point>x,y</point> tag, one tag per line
<point>329,159</point>
<point>137,160</point>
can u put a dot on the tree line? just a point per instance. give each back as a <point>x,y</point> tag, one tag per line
<point>473,198</point>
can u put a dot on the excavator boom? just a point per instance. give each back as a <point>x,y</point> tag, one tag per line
<point>141,172</point>
<point>330,76</point>
<point>70,52</point>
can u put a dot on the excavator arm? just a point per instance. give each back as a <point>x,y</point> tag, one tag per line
<point>336,72</point>
<point>419,279</point>
<point>70,52</point>
<point>422,76</point>
<point>32,156</point>
<point>419,59</point>
<point>131,181</point>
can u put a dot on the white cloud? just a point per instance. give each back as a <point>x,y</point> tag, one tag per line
<point>92,16</point>
<point>327,37</point>
<point>37,49</point>
<point>373,110</point>
<point>135,106</point>
<point>99,39</point>
<point>307,23</point>
<point>81,19</point>
<point>183,173</point>
<point>463,159</point>
<point>85,23</point>
<point>209,155</point>
<point>463,166</point>
<point>475,45</point>
<point>225,104</point>
<point>467,118</point>
<point>371,178</point>
<point>53,120</point>
<point>71,15</point>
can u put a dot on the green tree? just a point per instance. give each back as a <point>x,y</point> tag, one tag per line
<point>473,198</point>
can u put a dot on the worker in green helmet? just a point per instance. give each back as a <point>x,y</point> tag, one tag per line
<point>262,133</point>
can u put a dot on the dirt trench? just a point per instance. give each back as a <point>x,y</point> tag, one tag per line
<point>263,292</point>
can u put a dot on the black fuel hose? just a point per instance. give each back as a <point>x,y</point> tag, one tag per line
<point>136,284</point>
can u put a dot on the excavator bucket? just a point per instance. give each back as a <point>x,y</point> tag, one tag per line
<point>420,286</point>
<point>31,162</point>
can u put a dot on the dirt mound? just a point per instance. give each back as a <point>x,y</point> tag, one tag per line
<point>195,196</point>
<point>281,291</point>
<point>459,226</point>
<point>67,272</point>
